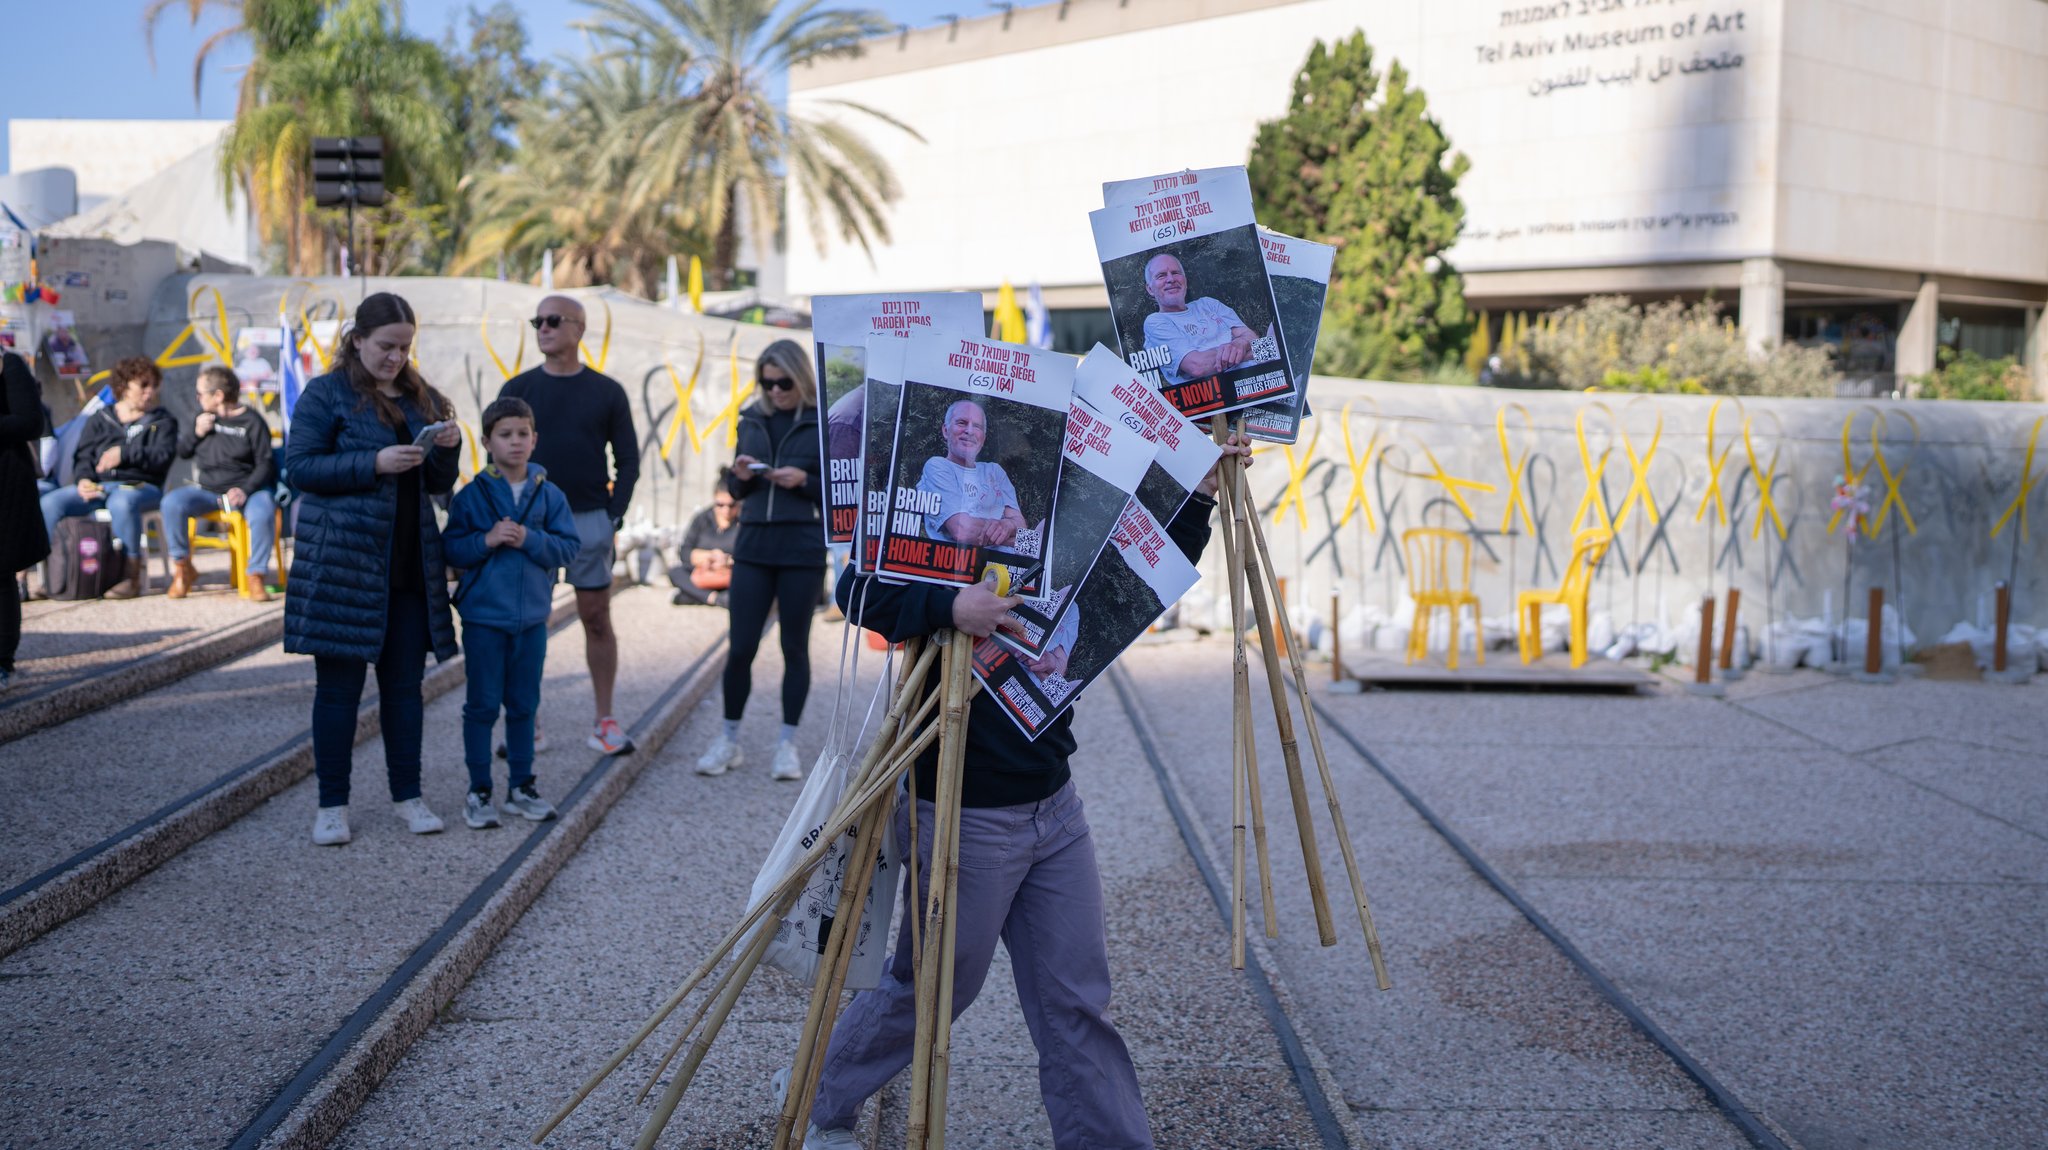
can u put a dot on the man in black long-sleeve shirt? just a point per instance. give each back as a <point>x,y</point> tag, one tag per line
<point>577,413</point>
<point>1027,876</point>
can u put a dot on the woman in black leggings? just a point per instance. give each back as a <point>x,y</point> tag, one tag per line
<point>779,559</point>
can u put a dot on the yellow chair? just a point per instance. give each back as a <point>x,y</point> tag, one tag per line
<point>1431,567</point>
<point>1587,548</point>
<point>236,543</point>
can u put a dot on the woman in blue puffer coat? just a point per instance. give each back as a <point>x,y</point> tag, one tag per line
<point>367,583</point>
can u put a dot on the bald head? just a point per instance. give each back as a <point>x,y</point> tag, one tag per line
<point>558,328</point>
<point>560,305</point>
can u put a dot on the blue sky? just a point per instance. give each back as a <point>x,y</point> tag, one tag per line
<point>106,75</point>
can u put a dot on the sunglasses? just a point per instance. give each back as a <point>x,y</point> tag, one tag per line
<point>783,384</point>
<point>547,321</point>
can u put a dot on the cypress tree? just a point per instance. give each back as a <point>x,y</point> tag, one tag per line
<point>1362,166</point>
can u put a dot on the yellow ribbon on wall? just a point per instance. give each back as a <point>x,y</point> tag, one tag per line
<point>1639,474</point>
<point>1715,463</point>
<point>1451,483</point>
<point>483,327</point>
<point>1297,474</point>
<point>604,347</point>
<point>1892,479</point>
<point>730,413</point>
<point>1591,499</point>
<point>1767,504</point>
<point>2019,501</point>
<point>1515,468</point>
<point>1359,466</point>
<point>216,349</point>
<point>683,420</point>
<point>1851,474</point>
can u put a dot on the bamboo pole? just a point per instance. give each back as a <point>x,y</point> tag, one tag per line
<point>1315,739</point>
<point>1235,533</point>
<point>1241,743</point>
<point>952,760</point>
<point>934,974</point>
<point>1283,717</point>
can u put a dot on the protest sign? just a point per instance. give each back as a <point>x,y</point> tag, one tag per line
<point>879,410</point>
<point>970,479</point>
<point>61,345</point>
<point>1136,578</point>
<point>1188,292</point>
<point>1300,271</point>
<point>1101,467</point>
<point>1184,452</point>
<point>840,325</point>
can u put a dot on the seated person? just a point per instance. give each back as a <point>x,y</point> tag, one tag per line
<point>1205,336</point>
<point>977,502</point>
<point>123,454</point>
<point>707,549</point>
<point>229,444</point>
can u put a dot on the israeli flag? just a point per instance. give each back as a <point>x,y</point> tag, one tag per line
<point>1037,320</point>
<point>291,375</point>
<point>59,448</point>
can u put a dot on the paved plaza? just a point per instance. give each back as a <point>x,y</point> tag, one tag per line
<point>1805,915</point>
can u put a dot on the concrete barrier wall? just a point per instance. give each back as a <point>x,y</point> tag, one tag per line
<point>1959,468</point>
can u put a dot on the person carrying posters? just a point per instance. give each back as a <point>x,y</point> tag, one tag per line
<point>840,325</point>
<point>1188,290</point>
<point>970,486</point>
<point>1028,878</point>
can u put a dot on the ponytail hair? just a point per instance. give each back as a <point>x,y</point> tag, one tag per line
<point>379,310</point>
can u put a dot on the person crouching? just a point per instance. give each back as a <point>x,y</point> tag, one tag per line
<point>510,531</point>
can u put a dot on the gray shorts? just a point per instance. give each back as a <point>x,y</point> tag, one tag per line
<point>591,570</point>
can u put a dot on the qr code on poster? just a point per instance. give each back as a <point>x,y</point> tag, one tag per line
<point>1264,348</point>
<point>1028,541</point>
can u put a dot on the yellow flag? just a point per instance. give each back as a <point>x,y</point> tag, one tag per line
<point>697,285</point>
<point>1008,324</point>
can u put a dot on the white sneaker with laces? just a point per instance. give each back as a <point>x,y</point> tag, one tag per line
<point>330,827</point>
<point>526,802</point>
<point>814,1138</point>
<point>723,755</point>
<point>416,817</point>
<point>786,766</point>
<point>478,812</point>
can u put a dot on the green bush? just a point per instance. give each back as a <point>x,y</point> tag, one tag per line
<point>1669,346</point>
<point>1967,375</point>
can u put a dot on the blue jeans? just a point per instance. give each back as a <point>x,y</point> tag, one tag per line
<point>181,505</point>
<point>126,502</point>
<point>504,670</point>
<point>338,692</point>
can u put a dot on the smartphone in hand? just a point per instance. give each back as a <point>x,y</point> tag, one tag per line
<point>425,439</point>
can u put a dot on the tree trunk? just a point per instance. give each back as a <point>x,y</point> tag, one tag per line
<point>725,251</point>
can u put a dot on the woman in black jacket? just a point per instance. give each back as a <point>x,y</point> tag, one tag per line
<point>779,559</point>
<point>123,455</point>
<point>368,584</point>
<point>24,538</point>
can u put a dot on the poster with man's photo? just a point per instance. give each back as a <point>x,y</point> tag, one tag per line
<point>880,406</point>
<point>1300,271</point>
<point>1184,453</point>
<point>840,325</point>
<point>971,477</point>
<point>1188,292</point>
<point>1136,578</point>
<point>61,345</point>
<point>1102,465</point>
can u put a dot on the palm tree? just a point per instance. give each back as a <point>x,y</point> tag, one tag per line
<point>715,138</point>
<point>336,68</point>
<point>568,192</point>
<point>155,10</point>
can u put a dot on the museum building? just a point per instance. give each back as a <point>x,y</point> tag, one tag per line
<point>1870,175</point>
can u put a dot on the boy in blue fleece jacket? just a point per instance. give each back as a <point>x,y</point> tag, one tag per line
<point>510,531</point>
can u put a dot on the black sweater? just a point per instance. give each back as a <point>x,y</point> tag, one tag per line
<point>780,527</point>
<point>575,417</point>
<point>236,453</point>
<point>1004,768</point>
<point>147,447</point>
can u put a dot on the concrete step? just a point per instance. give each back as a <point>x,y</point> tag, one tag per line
<point>670,872</point>
<point>119,791</point>
<point>175,1012</point>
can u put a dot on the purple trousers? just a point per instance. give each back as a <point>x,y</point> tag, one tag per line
<point>1027,877</point>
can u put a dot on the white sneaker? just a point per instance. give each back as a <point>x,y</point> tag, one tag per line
<point>330,827</point>
<point>814,1138</point>
<point>786,765</point>
<point>526,802</point>
<point>723,755</point>
<point>416,817</point>
<point>478,812</point>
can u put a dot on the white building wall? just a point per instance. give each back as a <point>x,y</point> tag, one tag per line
<point>110,156</point>
<point>1907,134</point>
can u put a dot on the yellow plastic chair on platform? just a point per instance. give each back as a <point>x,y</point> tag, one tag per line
<point>1587,548</point>
<point>1437,579</point>
<point>236,543</point>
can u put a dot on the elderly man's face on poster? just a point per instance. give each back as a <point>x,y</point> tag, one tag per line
<point>1167,283</point>
<point>966,430</point>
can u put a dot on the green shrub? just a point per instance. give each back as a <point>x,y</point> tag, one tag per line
<point>1967,375</point>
